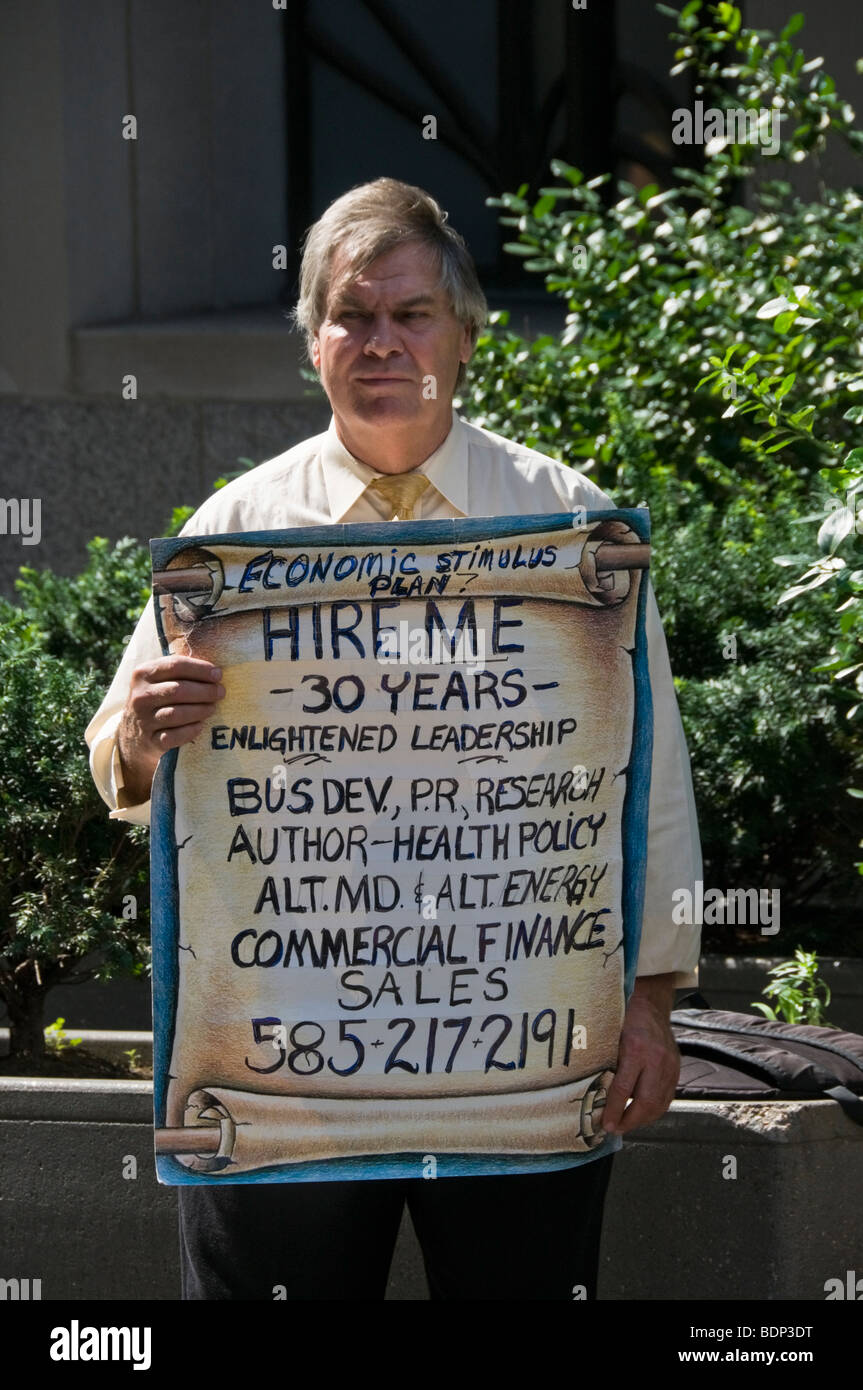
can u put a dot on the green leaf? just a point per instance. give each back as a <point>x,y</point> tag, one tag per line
<point>774,307</point>
<point>543,205</point>
<point>823,577</point>
<point>834,530</point>
<point>658,199</point>
<point>764,1009</point>
<point>785,385</point>
<point>562,170</point>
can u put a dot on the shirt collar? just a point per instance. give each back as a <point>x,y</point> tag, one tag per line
<point>346,477</point>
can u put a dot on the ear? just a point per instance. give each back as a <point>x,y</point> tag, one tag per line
<point>315,353</point>
<point>467,344</point>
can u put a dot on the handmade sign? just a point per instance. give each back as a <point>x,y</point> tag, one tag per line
<point>397,880</point>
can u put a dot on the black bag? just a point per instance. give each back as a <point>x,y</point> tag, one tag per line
<point>731,1056</point>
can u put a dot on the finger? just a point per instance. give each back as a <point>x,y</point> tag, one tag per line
<point>619,1092</point>
<point>652,1093</point>
<point>183,692</point>
<point>174,716</point>
<point>178,668</point>
<point>174,738</point>
<point>644,1110</point>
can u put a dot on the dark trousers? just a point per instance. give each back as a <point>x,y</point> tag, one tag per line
<point>525,1236</point>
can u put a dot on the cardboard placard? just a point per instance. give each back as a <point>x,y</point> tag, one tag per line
<point>397,880</point>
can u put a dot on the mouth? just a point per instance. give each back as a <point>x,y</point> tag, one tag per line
<point>383,380</point>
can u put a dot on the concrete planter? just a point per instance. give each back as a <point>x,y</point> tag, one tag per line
<point>75,1217</point>
<point>677,1228</point>
<point>71,1213</point>
<point>70,1216</point>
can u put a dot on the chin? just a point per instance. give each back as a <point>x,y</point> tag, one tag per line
<point>386,408</point>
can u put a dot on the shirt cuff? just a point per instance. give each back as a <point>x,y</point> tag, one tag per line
<point>107,772</point>
<point>136,813</point>
<point>683,979</point>
<point>675,950</point>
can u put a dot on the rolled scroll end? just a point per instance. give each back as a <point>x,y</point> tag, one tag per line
<point>593,1109</point>
<point>611,553</point>
<point>190,589</point>
<point>610,557</point>
<point>196,1139</point>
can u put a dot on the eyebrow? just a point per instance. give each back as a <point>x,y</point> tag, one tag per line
<point>350,301</point>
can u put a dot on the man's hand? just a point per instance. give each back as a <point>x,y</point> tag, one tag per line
<point>648,1063</point>
<point>169,700</point>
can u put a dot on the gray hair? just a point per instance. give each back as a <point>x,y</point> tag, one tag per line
<point>371,220</point>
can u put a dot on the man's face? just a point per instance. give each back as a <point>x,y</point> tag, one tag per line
<point>389,348</point>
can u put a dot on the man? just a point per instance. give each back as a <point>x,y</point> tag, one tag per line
<point>391,308</point>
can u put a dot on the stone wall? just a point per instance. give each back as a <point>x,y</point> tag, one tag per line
<point>117,468</point>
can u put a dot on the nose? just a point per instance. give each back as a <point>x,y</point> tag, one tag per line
<point>383,338</point>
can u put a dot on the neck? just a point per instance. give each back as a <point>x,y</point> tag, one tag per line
<point>393,449</point>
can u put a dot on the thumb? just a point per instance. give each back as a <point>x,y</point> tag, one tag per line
<point>618,1094</point>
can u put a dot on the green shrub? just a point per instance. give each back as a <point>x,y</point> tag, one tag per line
<point>798,992</point>
<point>702,340</point>
<point>72,882</point>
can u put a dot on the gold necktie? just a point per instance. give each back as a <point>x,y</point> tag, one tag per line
<point>400,493</point>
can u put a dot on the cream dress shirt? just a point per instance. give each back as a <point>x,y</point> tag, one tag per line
<point>474,473</point>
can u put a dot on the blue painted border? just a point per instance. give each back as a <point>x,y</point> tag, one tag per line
<point>164,928</point>
<point>164,892</point>
<point>448,532</point>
